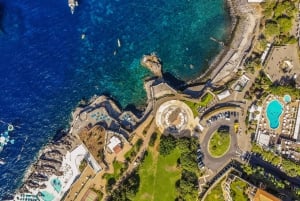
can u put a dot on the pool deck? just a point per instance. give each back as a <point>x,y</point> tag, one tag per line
<point>286,121</point>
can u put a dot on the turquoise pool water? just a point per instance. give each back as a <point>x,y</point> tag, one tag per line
<point>287,98</point>
<point>56,184</point>
<point>46,196</point>
<point>274,110</point>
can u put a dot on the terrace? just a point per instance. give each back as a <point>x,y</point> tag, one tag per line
<point>283,63</point>
<point>240,84</point>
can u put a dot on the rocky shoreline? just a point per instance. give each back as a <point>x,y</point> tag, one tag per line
<point>49,163</point>
<point>232,53</point>
<point>60,160</point>
<point>51,157</point>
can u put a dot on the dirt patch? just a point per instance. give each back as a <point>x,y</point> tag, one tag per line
<point>147,196</point>
<point>171,168</point>
<point>94,140</point>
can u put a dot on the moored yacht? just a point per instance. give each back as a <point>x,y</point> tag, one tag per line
<point>72,5</point>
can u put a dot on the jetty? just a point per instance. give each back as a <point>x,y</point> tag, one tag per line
<point>217,41</point>
<point>72,5</point>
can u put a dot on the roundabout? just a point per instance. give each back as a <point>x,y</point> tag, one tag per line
<point>219,149</point>
<point>219,144</point>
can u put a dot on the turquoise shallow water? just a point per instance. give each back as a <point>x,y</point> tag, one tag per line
<point>46,68</point>
<point>287,98</point>
<point>56,184</point>
<point>274,110</point>
<point>46,196</point>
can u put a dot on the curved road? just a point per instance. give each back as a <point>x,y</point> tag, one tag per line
<point>216,164</point>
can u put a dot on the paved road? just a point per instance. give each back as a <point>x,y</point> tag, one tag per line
<point>215,164</point>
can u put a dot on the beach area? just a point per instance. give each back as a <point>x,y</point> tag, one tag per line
<point>57,167</point>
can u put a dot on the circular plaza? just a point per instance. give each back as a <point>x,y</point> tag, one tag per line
<point>174,117</point>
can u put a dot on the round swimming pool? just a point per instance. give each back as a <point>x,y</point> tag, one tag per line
<point>274,110</point>
<point>287,98</point>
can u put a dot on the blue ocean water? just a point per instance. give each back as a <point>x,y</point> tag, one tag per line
<point>46,67</point>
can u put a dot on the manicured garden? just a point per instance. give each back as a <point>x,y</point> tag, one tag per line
<point>219,144</point>
<point>204,101</point>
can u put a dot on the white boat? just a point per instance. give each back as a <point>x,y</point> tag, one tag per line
<point>72,5</point>
<point>2,162</point>
<point>119,43</point>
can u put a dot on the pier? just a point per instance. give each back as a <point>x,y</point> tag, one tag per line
<point>217,41</point>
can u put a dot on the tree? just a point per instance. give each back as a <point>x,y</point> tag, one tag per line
<point>285,24</point>
<point>152,139</point>
<point>188,161</point>
<point>167,144</point>
<point>187,186</point>
<point>279,9</point>
<point>272,29</point>
<point>127,189</point>
<point>183,144</point>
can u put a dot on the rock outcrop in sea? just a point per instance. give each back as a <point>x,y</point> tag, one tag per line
<point>153,63</point>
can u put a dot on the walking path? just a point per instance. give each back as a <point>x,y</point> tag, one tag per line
<point>133,165</point>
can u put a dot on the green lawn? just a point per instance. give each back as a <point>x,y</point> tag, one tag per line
<point>158,175</point>
<point>216,194</point>
<point>238,189</point>
<point>117,171</point>
<point>219,144</point>
<point>205,100</point>
<point>134,150</point>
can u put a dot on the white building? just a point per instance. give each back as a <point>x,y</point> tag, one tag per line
<point>223,95</point>
<point>113,143</point>
<point>297,126</point>
<point>263,139</point>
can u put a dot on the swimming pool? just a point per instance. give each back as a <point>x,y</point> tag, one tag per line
<point>56,184</point>
<point>46,196</point>
<point>274,110</point>
<point>287,98</point>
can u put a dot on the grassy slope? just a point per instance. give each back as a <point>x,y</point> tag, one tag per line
<point>205,100</point>
<point>158,176</point>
